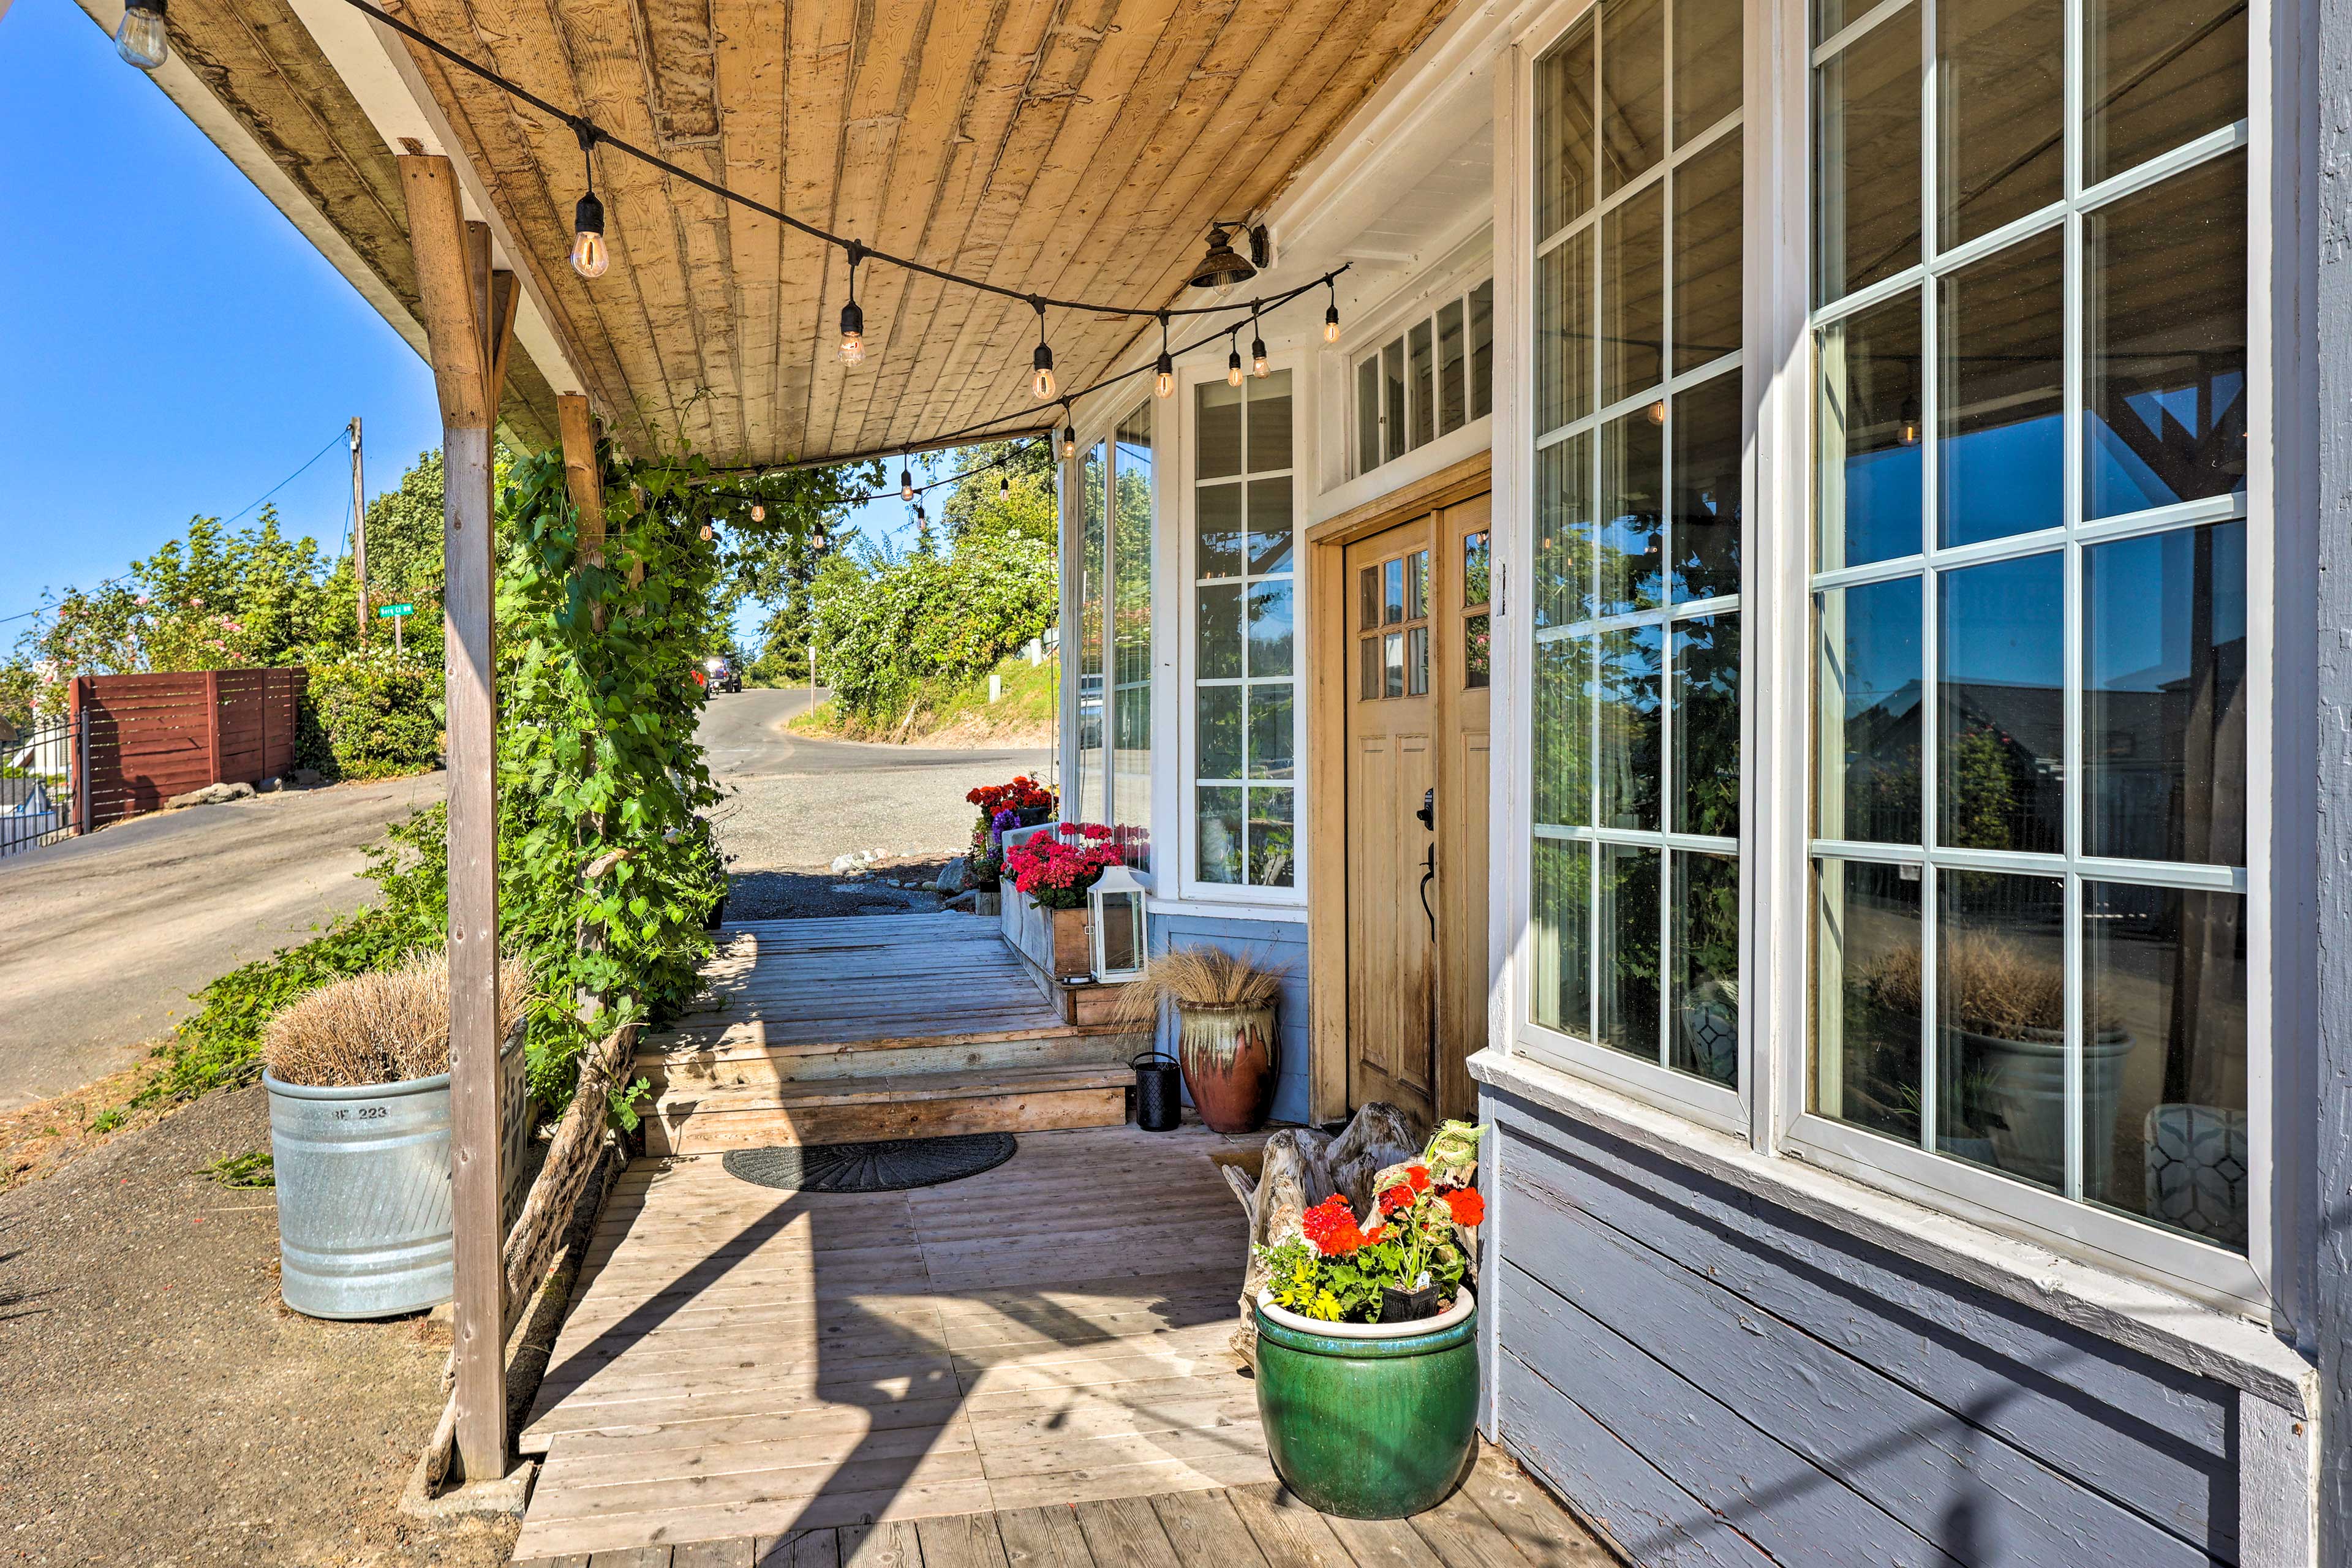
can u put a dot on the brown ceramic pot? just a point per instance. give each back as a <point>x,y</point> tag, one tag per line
<point>1230,1056</point>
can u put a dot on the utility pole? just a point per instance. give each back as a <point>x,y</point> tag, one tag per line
<point>358,531</point>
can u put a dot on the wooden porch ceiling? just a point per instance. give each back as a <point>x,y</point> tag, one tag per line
<point>1079,148</point>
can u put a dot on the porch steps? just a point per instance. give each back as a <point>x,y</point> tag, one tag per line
<point>878,1027</point>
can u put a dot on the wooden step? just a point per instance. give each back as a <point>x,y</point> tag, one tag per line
<point>706,1073</point>
<point>995,1098</point>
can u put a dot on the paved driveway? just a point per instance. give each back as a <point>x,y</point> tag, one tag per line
<point>103,938</point>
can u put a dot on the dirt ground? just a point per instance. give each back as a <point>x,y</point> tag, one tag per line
<point>163,1408</point>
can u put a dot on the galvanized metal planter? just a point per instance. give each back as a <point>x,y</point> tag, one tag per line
<point>365,1225</point>
<point>1369,1420</point>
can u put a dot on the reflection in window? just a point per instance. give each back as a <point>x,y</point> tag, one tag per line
<point>2002,706</point>
<point>1867,695</point>
<point>1091,788</point>
<point>1870,1005</point>
<point>1704,1037</point>
<point>1868,475</point>
<point>1866,158</point>
<point>1434,376</point>
<point>1245,656</point>
<point>2164,354</point>
<point>2001,392</point>
<point>2164,700</point>
<point>1130,635</point>
<point>2000,1023</point>
<point>1638,513</point>
<point>2164,1029</point>
<point>2088,1033</point>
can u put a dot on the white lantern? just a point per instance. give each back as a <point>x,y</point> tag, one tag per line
<point>1120,950</point>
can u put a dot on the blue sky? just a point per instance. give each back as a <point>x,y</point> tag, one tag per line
<point>174,346</point>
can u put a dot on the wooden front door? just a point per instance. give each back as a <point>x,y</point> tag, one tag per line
<point>1416,810</point>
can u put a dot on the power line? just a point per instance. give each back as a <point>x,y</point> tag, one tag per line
<point>125,576</point>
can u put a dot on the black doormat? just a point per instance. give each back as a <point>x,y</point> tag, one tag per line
<point>893,1165</point>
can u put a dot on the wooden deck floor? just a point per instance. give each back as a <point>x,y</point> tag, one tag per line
<point>1499,1518</point>
<point>744,1362</point>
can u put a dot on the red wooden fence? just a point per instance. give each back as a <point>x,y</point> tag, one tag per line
<point>143,739</point>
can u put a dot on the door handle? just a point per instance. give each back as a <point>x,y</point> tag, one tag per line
<point>1429,875</point>
<point>1428,812</point>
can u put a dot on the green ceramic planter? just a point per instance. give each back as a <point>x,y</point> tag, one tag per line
<point>1369,1421</point>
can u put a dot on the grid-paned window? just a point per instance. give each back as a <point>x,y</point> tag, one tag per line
<point>1131,635</point>
<point>1111,766</point>
<point>1089,778</point>
<point>2029,544</point>
<point>1244,658</point>
<point>1434,376</point>
<point>1636,688</point>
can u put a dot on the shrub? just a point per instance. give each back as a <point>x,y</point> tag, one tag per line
<point>365,718</point>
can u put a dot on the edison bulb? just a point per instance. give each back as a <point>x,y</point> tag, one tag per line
<point>141,40</point>
<point>1163,385</point>
<point>1041,383</point>
<point>853,348</point>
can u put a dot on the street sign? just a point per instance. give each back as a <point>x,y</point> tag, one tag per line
<point>393,612</point>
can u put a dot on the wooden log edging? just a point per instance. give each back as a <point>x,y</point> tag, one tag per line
<point>577,1151</point>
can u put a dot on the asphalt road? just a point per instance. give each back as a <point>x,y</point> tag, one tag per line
<point>794,804</point>
<point>103,939</point>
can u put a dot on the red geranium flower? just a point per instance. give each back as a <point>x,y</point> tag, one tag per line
<point>1467,1207</point>
<point>1332,1227</point>
<point>1419,1176</point>
<point>1397,1197</point>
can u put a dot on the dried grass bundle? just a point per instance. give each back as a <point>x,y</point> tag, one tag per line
<point>1985,985</point>
<point>1201,977</point>
<point>383,1027</point>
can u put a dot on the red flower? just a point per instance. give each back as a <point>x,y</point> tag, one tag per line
<point>1467,1207</point>
<point>1332,1227</point>
<point>1397,1197</point>
<point>1375,1235</point>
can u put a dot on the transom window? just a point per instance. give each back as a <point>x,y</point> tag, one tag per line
<point>1636,602</point>
<point>1433,377</point>
<point>1243,666</point>
<point>2029,594</point>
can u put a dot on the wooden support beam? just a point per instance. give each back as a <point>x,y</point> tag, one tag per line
<point>506,295</point>
<point>467,333</point>
<point>583,475</point>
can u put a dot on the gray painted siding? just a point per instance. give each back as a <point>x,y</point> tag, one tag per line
<point>1718,1381</point>
<point>1277,941</point>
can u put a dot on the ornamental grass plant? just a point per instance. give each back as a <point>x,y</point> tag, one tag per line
<point>386,1026</point>
<point>1202,977</point>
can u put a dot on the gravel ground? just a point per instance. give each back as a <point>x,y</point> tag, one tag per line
<point>796,804</point>
<point>163,1408</point>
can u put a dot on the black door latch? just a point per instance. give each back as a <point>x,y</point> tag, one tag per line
<point>1428,812</point>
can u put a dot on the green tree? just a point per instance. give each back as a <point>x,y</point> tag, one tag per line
<point>1015,498</point>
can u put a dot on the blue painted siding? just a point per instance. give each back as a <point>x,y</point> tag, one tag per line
<point>1277,941</point>
<point>1716,1380</point>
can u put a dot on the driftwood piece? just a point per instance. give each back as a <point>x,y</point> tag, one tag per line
<point>1301,1167</point>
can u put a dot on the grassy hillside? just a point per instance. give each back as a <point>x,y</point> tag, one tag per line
<point>951,711</point>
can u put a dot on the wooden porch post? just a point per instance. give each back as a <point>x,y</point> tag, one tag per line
<point>468,318</point>
<point>584,477</point>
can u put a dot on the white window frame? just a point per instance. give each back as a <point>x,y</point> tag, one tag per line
<point>1769,1110</point>
<point>1717,1106</point>
<point>1231,899</point>
<point>1449,284</point>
